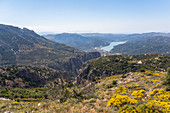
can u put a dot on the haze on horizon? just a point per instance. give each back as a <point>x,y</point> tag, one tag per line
<point>82,16</point>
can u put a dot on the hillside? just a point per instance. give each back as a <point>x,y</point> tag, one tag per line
<point>118,64</point>
<point>25,47</point>
<point>107,36</point>
<point>20,46</point>
<point>136,43</point>
<point>140,92</point>
<point>116,83</point>
<point>78,41</point>
<point>145,43</point>
<point>27,76</point>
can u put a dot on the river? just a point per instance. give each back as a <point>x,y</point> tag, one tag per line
<point>111,45</point>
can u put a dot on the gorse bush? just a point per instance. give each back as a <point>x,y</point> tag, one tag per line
<point>119,100</point>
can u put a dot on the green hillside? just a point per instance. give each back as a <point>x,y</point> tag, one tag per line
<point>120,64</point>
<point>145,44</point>
<point>25,47</point>
<point>78,41</point>
<point>27,76</point>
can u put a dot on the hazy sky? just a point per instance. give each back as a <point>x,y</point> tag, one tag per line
<point>105,16</point>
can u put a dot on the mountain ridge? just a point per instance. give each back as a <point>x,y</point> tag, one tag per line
<point>25,47</point>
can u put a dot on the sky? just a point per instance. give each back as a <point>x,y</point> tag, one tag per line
<point>82,16</point>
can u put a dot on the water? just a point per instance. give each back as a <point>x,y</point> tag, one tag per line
<point>111,45</point>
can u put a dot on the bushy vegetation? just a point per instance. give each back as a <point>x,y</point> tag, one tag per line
<point>26,94</point>
<point>25,47</point>
<point>27,76</point>
<point>118,64</point>
<point>137,92</point>
<point>167,80</point>
<point>141,97</point>
<point>140,91</point>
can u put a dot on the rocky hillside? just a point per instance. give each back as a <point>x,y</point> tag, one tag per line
<point>118,64</point>
<point>25,47</point>
<point>72,65</point>
<point>140,92</point>
<point>138,83</point>
<point>27,76</point>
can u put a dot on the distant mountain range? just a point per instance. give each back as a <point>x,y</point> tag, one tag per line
<point>85,41</point>
<point>136,43</point>
<point>77,41</point>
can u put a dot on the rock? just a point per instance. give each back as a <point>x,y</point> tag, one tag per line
<point>8,112</point>
<point>73,65</point>
<point>39,104</point>
<point>140,62</point>
<point>125,75</point>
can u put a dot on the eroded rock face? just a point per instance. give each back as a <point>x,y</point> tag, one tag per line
<point>74,64</point>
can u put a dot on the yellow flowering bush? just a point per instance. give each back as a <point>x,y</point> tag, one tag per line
<point>119,100</point>
<point>158,84</point>
<point>148,107</point>
<point>128,109</point>
<point>156,92</point>
<point>165,96</point>
<point>162,98</point>
<point>123,93</point>
<point>148,71</point>
<point>138,94</point>
<point>155,81</point>
<point>165,105</point>
<point>121,89</point>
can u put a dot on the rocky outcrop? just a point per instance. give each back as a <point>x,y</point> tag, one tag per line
<point>87,74</point>
<point>74,64</point>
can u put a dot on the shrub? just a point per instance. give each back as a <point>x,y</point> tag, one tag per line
<point>128,109</point>
<point>141,70</point>
<point>139,94</point>
<point>149,107</point>
<point>109,86</point>
<point>119,100</point>
<point>114,82</point>
<point>167,80</point>
<point>99,110</point>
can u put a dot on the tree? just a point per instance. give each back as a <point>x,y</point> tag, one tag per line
<point>167,80</point>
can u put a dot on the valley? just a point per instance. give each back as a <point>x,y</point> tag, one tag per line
<point>39,75</point>
<point>140,88</point>
<point>84,56</point>
<point>135,43</point>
